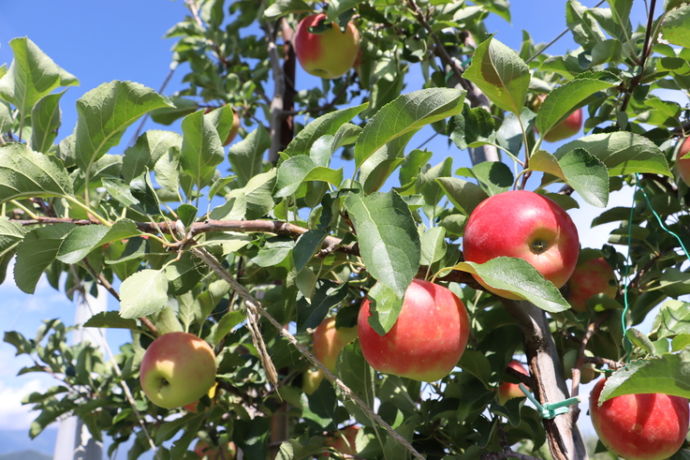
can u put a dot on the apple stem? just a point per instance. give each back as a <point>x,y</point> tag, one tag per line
<point>254,303</point>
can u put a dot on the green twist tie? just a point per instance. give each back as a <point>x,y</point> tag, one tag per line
<point>550,410</point>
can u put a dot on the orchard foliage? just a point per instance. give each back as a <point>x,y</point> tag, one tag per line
<point>325,201</point>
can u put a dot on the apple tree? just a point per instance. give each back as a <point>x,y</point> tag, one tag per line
<point>326,205</point>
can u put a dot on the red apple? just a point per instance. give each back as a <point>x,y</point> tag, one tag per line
<point>203,450</point>
<point>510,390</point>
<point>593,275</point>
<point>566,128</point>
<point>343,442</point>
<point>642,426</point>
<point>427,339</point>
<point>327,54</point>
<point>683,164</point>
<point>177,369</point>
<point>525,225</point>
<point>329,341</point>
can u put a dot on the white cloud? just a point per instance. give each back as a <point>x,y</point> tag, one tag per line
<point>14,415</point>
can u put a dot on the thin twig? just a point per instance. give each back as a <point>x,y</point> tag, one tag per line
<point>213,263</point>
<point>646,49</point>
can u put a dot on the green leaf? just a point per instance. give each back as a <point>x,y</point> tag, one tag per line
<point>500,73</point>
<point>668,374</point>
<point>283,7</point>
<point>147,151</point>
<point>10,233</point>
<point>25,173</point>
<point>582,25</point>
<point>110,319</point>
<point>464,195</point>
<point>387,236</point>
<point>433,246</point>
<point>36,253</point>
<point>201,149</point>
<point>585,173</point>
<point>406,114</point>
<point>245,156</point>
<point>493,176</point>
<point>325,124</point>
<point>520,278</point>
<point>84,239</point>
<point>6,121</point>
<point>385,307</point>
<point>301,168</point>
<point>45,121</point>
<point>180,107</point>
<point>673,319</point>
<point>32,75</point>
<point>676,25</point>
<point>563,100</point>
<point>306,246</point>
<point>622,153</point>
<point>144,293</point>
<point>381,164</point>
<point>104,113</point>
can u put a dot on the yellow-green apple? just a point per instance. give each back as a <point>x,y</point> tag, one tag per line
<point>178,368</point>
<point>683,164</point>
<point>343,442</point>
<point>311,380</point>
<point>227,452</point>
<point>510,390</point>
<point>194,406</point>
<point>640,426</point>
<point>427,339</point>
<point>587,372</point>
<point>593,275</point>
<point>525,225</point>
<point>566,128</point>
<point>329,341</point>
<point>327,53</point>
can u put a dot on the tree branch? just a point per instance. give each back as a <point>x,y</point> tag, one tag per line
<point>249,299</point>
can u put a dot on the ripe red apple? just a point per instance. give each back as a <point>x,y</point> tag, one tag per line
<point>683,164</point>
<point>343,442</point>
<point>427,339</point>
<point>566,128</point>
<point>327,54</point>
<point>329,341</point>
<point>177,369</point>
<point>510,390</point>
<point>525,225</point>
<point>203,450</point>
<point>642,426</point>
<point>593,275</point>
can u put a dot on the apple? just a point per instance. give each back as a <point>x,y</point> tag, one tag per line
<point>683,164</point>
<point>178,368</point>
<point>427,339</point>
<point>194,406</point>
<point>593,275</point>
<point>640,426</point>
<point>326,54</point>
<point>343,442</point>
<point>203,450</point>
<point>510,390</point>
<point>329,341</point>
<point>566,128</point>
<point>311,380</point>
<point>525,225</point>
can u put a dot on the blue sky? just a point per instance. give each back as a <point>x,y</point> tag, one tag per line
<point>124,40</point>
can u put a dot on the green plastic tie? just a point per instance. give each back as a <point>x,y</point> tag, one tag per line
<point>626,341</point>
<point>550,410</point>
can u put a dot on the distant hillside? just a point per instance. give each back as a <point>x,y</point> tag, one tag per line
<point>12,441</point>
<point>25,455</point>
